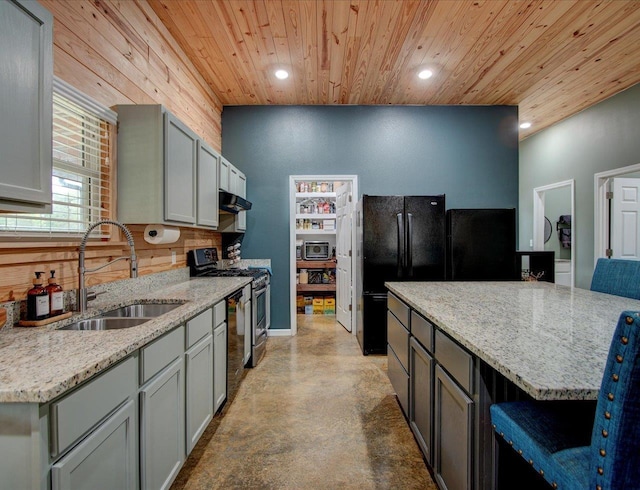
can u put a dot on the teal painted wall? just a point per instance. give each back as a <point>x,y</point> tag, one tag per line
<point>603,137</point>
<point>468,153</point>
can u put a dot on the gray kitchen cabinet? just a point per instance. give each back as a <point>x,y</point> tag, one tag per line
<point>224,173</point>
<point>220,334</point>
<point>199,389</point>
<point>180,149</point>
<point>453,434</point>
<point>236,184</point>
<point>207,181</point>
<point>26,81</point>
<point>105,459</point>
<point>421,365</point>
<point>162,427</point>
<point>160,165</point>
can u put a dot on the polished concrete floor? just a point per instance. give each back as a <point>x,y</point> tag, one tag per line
<point>314,414</point>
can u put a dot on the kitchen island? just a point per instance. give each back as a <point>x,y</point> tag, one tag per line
<point>125,406</point>
<point>489,342</point>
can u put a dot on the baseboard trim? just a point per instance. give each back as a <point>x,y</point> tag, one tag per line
<point>279,332</point>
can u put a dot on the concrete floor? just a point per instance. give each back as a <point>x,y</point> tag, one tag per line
<point>314,414</point>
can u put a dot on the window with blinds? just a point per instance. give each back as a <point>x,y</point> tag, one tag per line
<point>81,178</point>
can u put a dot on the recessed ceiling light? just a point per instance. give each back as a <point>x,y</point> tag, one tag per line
<point>282,74</point>
<point>424,74</point>
<point>525,125</point>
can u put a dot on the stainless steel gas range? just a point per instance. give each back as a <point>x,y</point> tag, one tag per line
<point>203,263</point>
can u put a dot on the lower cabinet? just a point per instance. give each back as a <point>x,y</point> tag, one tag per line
<point>399,379</point>
<point>106,459</point>
<point>453,434</point>
<point>219,365</point>
<point>421,397</point>
<point>162,427</point>
<point>199,389</point>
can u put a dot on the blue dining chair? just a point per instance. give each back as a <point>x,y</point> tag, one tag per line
<point>617,276</point>
<point>568,448</point>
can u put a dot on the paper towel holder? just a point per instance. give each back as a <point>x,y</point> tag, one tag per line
<point>158,234</point>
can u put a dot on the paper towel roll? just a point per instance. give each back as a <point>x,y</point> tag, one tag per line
<point>159,234</point>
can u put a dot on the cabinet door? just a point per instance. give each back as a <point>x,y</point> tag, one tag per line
<point>106,459</point>
<point>26,95</point>
<point>199,381</point>
<point>399,379</point>
<point>453,438</point>
<point>234,181</point>
<point>207,186</point>
<point>180,150</point>
<point>241,220</point>
<point>225,171</point>
<point>162,427</point>
<point>421,396</point>
<point>219,365</point>
<point>248,334</point>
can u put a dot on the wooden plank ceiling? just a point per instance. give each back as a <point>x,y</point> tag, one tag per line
<point>552,58</point>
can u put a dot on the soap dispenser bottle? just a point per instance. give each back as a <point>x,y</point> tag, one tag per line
<point>56,297</point>
<point>37,300</point>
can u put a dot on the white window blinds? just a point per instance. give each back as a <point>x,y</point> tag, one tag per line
<point>81,177</point>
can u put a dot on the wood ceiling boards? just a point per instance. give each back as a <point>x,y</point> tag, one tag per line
<point>552,58</point>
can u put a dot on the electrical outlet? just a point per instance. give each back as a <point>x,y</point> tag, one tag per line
<point>173,257</point>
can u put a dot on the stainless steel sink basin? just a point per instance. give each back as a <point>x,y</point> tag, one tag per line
<point>141,311</point>
<point>105,323</point>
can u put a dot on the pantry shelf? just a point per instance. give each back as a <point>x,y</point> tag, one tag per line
<point>301,288</point>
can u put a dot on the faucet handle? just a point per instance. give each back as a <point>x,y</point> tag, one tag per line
<point>91,295</point>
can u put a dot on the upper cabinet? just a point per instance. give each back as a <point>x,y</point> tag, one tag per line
<point>234,181</point>
<point>166,173</point>
<point>26,95</point>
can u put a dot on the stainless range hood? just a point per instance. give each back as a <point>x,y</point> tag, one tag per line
<point>232,203</point>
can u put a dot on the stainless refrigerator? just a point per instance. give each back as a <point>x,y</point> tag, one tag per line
<point>481,245</point>
<point>400,238</point>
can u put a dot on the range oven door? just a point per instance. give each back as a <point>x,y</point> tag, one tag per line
<point>260,310</point>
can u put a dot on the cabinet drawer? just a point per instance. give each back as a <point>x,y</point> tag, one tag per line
<point>398,339</point>
<point>422,330</point>
<point>399,309</point>
<point>160,353</point>
<point>399,379</point>
<point>457,361</point>
<point>199,326</point>
<point>219,313</point>
<point>77,413</point>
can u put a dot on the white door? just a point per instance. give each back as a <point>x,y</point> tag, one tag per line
<point>625,219</point>
<point>344,214</point>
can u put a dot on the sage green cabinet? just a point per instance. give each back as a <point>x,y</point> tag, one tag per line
<point>106,459</point>
<point>162,427</point>
<point>166,173</point>
<point>207,182</point>
<point>26,81</point>
<point>199,389</point>
<point>234,181</point>
<point>220,334</point>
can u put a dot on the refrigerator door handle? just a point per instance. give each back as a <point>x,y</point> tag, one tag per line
<point>400,223</point>
<point>409,261</point>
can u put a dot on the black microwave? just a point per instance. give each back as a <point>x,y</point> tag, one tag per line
<point>316,250</point>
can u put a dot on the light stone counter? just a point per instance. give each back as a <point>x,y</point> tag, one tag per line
<point>38,364</point>
<point>551,341</point>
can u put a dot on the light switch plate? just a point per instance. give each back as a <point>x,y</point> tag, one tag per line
<point>173,257</point>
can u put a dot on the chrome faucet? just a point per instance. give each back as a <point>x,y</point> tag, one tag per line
<point>82,297</point>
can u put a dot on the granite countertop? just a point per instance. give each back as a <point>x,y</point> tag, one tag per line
<point>37,364</point>
<point>551,341</point>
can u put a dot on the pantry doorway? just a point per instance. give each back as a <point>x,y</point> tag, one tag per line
<point>322,238</point>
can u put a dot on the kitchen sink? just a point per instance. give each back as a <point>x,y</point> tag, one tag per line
<point>140,311</point>
<point>100,323</point>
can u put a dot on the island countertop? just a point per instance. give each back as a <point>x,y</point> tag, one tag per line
<point>37,364</point>
<point>551,341</point>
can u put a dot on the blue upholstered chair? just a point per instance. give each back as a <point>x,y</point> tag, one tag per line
<point>567,447</point>
<point>616,276</point>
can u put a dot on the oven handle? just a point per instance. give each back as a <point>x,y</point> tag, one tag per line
<point>258,292</point>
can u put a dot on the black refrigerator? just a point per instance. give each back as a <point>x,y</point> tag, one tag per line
<point>400,238</point>
<point>481,244</point>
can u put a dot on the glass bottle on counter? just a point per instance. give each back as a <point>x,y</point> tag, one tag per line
<point>37,300</point>
<point>56,296</point>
